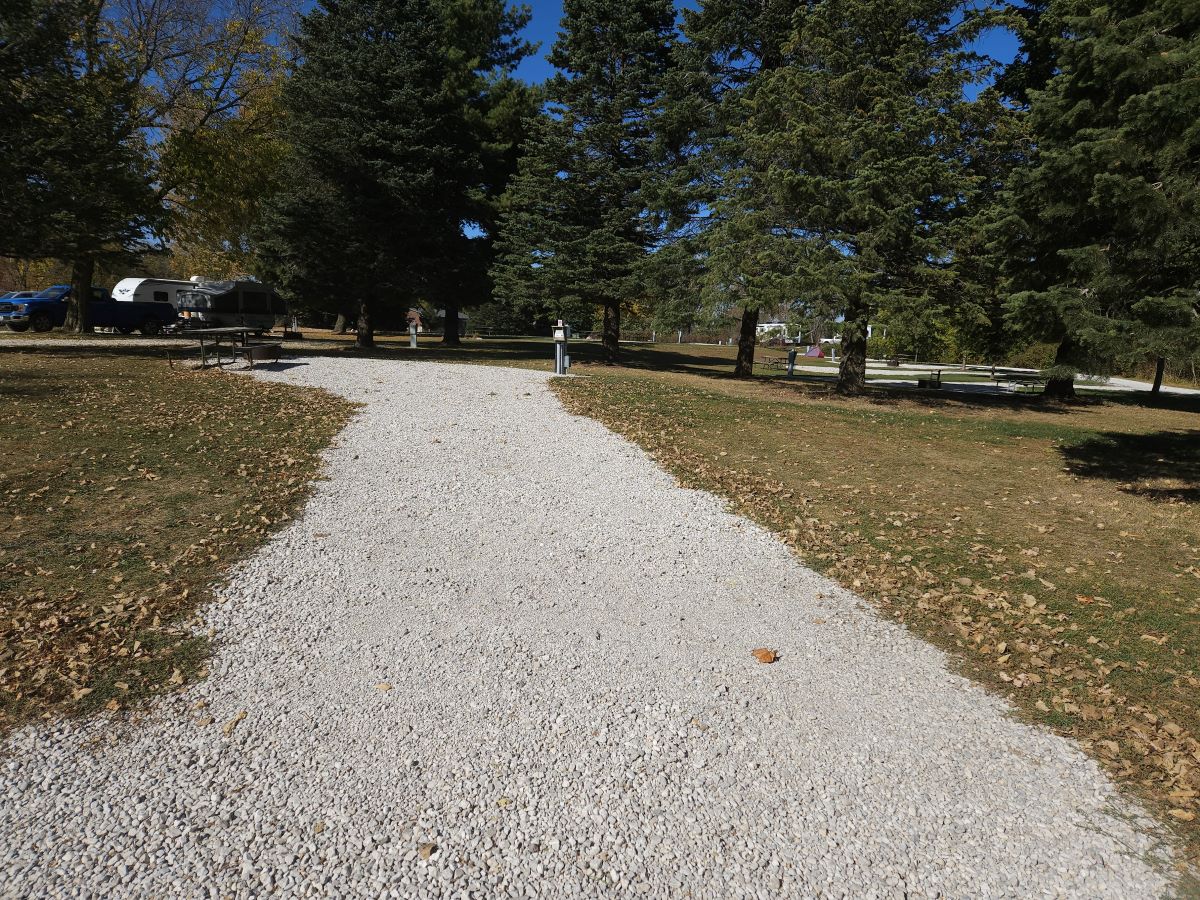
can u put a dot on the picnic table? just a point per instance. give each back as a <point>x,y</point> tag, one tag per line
<point>236,338</point>
<point>1020,382</point>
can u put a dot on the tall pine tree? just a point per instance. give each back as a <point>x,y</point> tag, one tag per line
<point>575,228</point>
<point>861,139</point>
<point>388,150</point>
<point>1108,240</point>
<point>730,47</point>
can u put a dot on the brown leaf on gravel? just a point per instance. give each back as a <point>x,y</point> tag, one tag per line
<point>426,850</point>
<point>383,686</point>
<point>1182,815</point>
<point>227,728</point>
<point>764,655</point>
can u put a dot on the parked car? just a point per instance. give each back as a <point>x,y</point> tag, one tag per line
<point>211,304</point>
<point>47,309</point>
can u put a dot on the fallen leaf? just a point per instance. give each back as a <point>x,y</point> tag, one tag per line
<point>228,727</point>
<point>765,656</point>
<point>318,827</point>
<point>1182,815</point>
<point>426,850</point>
<point>383,686</point>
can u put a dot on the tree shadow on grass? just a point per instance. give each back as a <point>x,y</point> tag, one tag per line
<point>1161,465</point>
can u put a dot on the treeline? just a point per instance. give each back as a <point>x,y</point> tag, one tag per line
<point>847,162</point>
<point>861,161</point>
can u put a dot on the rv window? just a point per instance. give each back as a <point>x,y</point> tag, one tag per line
<point>224,303</point>
<point>255,302</point>
<point>160,297</point>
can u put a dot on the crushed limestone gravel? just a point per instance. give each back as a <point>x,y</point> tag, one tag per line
<point>502,654</point>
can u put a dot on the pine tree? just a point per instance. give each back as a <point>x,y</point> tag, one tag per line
<point>575,230</point>
<point>387,163</point>
<point>865,139</point>
<point>730,47</point>
<point>498,108</point>
<point>1109,235</point>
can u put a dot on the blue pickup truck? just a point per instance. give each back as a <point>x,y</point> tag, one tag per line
<point>48,309</point>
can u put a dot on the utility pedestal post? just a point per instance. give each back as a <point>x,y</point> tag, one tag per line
<point>562,361</point>
<point>792,361</point>
<point>412,335</point>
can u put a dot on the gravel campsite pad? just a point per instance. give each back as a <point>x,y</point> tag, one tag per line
<point>502,653</point>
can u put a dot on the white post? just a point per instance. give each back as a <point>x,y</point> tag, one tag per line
<point>412,335</point>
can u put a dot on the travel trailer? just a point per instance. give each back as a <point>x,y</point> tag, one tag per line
<point>213,304</point>
<point>151,290</point>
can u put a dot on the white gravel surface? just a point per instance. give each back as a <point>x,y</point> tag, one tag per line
<point>573,707</point>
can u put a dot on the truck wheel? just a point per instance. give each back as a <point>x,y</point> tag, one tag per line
<point>124,329</point>
<point>151,326</point>
<point>40,322</point>
<point>21,327</point>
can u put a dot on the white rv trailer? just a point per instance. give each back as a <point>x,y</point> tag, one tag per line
<point>151,290</point>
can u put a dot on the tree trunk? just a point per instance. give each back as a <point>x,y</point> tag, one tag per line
<point>450,335</point>
<point>366,326</point>
<point>747,337</point>
<point>612,333</point>
<point>1160,368</point>
<point>78,318</point>
<point>1061,387</point>
<point>339,327</point>
<point>852,370</point>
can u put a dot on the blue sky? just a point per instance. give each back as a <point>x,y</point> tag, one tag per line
<point>998,43</point>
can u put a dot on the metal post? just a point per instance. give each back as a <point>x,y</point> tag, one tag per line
<point>792,361</point>
<point>412,335</point>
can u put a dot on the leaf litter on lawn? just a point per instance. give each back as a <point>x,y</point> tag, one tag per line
<point>128,488</point>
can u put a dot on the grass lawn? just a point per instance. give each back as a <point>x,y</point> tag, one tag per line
<point>128,487</point>
<point>1053,550</point>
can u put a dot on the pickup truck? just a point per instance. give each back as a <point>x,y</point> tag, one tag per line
<point>48,309</point>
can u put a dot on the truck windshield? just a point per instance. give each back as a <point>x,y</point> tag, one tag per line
<point>50,293</point>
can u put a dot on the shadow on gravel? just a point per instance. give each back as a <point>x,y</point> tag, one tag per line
<point>1162,465</point>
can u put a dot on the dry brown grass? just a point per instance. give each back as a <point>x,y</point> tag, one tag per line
<point>127,489</point>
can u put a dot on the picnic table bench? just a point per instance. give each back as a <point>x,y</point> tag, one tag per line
<point>260,351</point>
<point>932,381</point>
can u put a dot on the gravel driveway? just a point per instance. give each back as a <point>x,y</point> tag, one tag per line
<point>503,654</point>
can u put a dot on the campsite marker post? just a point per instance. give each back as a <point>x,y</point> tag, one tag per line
<point>792,361</point>
<point>412,335</point>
